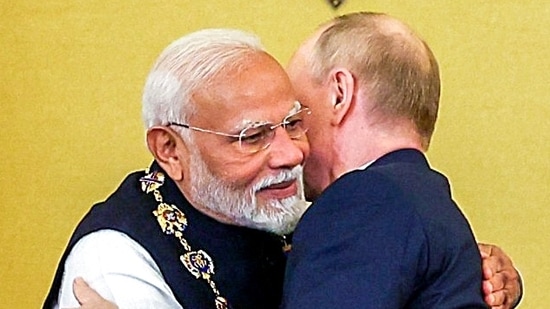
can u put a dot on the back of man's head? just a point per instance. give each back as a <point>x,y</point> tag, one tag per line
<point>395,68</point>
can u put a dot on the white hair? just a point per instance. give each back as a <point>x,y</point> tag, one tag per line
<point>188,64</point>
<point>279,216</point>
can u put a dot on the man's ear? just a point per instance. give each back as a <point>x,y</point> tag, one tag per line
<point>342,90</point>
<point>169,151</point>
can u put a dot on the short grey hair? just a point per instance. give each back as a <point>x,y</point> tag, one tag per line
<point>397,68</point>
<point>189,64</point>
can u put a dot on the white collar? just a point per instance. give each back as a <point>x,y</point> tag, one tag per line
<point>364,166</point>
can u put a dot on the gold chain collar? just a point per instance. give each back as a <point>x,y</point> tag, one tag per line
<point>172,221</point>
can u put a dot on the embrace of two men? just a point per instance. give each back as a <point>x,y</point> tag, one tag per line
<point>237,141</point>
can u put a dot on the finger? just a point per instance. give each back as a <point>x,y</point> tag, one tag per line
<point>484,249</point>
<point>487,287</point>
<point>498,281</point>
<point>83,292</point>
<point>79,281</point>
<point>484,254</point>
<point>494,303</point>
<point>489,299</point>
<point>495,253</point>
<point>498,298</point>
<point>490,267</point>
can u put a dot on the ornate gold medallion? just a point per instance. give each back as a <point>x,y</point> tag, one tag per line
<point>199,264</point>
<point>170,219</point>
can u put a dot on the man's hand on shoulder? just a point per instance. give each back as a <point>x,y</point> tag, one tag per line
<point>88,298</point>
<point>502,286</point>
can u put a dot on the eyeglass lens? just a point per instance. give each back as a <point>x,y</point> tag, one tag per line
<point>258,137</point>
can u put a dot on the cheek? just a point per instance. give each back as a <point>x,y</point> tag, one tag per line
<point>227,164</point>
<point>312,179</point>
<point>238,174</point>
<point>317,167</point>
<point>314,137</point>
<point>305,148</point>
<point>309,173</point>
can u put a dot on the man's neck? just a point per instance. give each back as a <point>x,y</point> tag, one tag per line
<point>355,150</point>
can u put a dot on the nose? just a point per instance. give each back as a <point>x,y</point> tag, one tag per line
<point>285,152</point>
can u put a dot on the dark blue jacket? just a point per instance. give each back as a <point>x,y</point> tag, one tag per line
<point>249,264</point>
<point>389,236</point>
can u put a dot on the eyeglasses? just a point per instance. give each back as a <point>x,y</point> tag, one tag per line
<point>259,135</point>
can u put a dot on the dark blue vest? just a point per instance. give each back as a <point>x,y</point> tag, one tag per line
<point>249,264</point>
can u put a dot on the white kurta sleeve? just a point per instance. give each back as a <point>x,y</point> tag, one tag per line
<point>119,269</point>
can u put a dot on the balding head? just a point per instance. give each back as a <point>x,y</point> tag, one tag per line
<point>395,68</point>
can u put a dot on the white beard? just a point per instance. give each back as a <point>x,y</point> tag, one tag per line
<point>276,216</point>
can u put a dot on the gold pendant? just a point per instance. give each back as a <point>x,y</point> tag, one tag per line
<point>199,264</point>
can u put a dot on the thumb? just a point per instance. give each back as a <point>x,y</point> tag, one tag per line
<point>484,250</point>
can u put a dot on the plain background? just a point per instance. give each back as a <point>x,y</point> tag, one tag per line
<point>72,73</point>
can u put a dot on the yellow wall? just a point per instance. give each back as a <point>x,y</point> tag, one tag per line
<point>71,76</point>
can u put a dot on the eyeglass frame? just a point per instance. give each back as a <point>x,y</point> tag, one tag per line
<point>271,126</point>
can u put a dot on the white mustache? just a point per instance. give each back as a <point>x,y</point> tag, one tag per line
<point>283,176</point>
